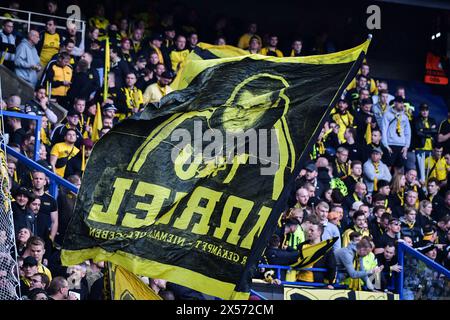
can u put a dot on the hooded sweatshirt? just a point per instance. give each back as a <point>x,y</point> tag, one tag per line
<point>26,56</point>
<point>390,136</point>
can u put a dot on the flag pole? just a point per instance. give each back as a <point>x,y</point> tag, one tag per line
<point>107,68</point>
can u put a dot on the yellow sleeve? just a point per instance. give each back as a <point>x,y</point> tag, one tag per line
<point>56,150</point>
<point>280,54</point>
<point>243,41</point>
<point>147,94</point>
<point>264,51</point>
<point>373,87</point>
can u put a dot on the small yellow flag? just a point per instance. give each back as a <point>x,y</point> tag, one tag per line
<point>127,286</point>
<point>98,124</point>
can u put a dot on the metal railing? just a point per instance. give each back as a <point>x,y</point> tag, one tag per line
<point>37,130</point>
<point>278,269</point>
<point>29,21</point>
<point>402,249</point>
<point>55,180</point>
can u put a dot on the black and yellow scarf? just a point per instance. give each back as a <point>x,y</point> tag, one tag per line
<point>376,166</point>
<point>342,168</point>
<point>355,284</point>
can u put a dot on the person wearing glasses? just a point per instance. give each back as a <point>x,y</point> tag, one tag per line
<point>39,281</point>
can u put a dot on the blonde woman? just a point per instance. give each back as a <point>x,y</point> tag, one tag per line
<point>397,196</point>
<point>424,217</point>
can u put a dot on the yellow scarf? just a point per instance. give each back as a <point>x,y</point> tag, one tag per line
<point>409,224</point>
<point>401,196</point>
<point>355,284</point>
<point>321,147</point>
<point>44,137</point>
<point>134,97</point>
<point>376,166</point>
<point>398,116</point>
<point>368,135</point>
<point>343,168</point>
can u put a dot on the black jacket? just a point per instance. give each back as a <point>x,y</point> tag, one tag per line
<point>354,151</point>
<point>281,257</point>
<point>120,71</point>
<point>83,84</point>
<point>438,207</point>
<point>421,133</point>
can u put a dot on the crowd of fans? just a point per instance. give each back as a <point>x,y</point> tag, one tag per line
<point>377,176</point>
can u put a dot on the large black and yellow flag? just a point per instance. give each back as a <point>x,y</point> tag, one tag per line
<point>192,190</point>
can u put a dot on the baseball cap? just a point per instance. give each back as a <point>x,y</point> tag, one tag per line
<point>23,191</point>
<point>30,261</point>
<point>428,232</point>
<point>157,36</point>
<point>311,167</point>
<point>72,112</point>
<point>399,99</point>
<point>168,74</point>
<point>109,106</point>
<point>377,150</point>
<point>393,219</point>
<point>344,100</point>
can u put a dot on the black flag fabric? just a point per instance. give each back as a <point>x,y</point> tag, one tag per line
<point>192,190</point>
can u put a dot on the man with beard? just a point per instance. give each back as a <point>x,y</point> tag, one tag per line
<point>328,262</point>
<point>375,143</point>
<point>365,122</point>
<point>309,174</point>
<point>343,118</point>
<point>156,91</point>
<point>8,44</point>
<point>354,177</point>
<point>48,207</point>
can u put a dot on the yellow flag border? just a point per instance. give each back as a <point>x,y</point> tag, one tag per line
<point>153,269</point>
<point>194,67</point>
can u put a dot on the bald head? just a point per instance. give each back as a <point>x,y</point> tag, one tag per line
<point>33,37</point>
<point>322,162</point>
